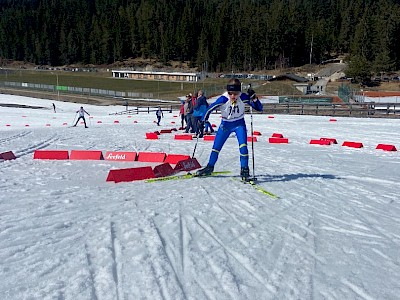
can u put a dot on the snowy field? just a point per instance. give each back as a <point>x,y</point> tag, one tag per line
<point>66,233</point>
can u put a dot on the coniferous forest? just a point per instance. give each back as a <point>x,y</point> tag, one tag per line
<point>214,35</point>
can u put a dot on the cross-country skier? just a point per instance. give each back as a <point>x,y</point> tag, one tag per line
<point>82,113</point>
<point>232,107</point>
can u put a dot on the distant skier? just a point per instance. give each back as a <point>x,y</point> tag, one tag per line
<point>82,113</point>
<point>159,114</point>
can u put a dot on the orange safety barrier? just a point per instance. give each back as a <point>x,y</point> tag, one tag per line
<point>386,147</point>
<point>130,174</point>
<point>120,156</point>
<point>151,136</point>
<point>333,141</point>
<point>209,137</point>
<point>352,144</point>
<point>187,165</point>
<point>9,155</point>
<point>276,140</point>
<point>151,156</point>
<point>86,155</point>
<point>320,142</point>
<point>51,154</point>
<point>187,137</point>
<point>163,170</point>
<point>175,158</point>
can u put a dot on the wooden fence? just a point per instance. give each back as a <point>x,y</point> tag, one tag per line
<point>361,110</point>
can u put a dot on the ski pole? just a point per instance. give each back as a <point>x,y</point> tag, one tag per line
<point>74,119</point>
<point>252,141</point>
<point>195,146</point>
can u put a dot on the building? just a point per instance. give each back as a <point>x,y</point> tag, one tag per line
<point>163,76</point>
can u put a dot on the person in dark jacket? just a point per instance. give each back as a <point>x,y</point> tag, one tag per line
<point>232,107</point>
<point>159,114</point>
<point>198,112</point>
<point>189,114</point>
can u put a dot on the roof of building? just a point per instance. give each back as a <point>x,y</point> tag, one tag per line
<point>289,76</point>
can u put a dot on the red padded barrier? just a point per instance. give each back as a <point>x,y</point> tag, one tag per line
<point>86,155</point>
<point>9,155</point>
<point>175,158</point>
<point>271,117</point>
<point>209,137</point>
<point>120,156</point>
<point>252,138</point>
<point>187,137</point>
<point>277,135</point>
<point>163,170</point>
<point>352,144</point>
<point>256,133</point>
<point>130,174</point>
<point>187,165</point>
<point>151,156</point>
<point>51,154</point>
<point>116,122</point>
<point>320,142</point>
<point>151,136</point>
<point>386,147</point>
<point>333,141</point>
<point>332,120</point>
<point>276,140</point>
<point>165,131</point>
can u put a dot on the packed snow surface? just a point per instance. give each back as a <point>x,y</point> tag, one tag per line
<point>66,233</point>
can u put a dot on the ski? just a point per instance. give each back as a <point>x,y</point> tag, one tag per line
<point>253,184</point>
<point>184,176</point>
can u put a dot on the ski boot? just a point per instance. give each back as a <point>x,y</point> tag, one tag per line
<point>245,174</point>
<point>205,171</point>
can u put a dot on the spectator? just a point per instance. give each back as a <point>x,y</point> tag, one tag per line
<point>189,113</point>
<point>182,114</point>
<point>159,114</point>
<point>198,113</point>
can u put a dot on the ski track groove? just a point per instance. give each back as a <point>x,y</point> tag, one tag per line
<point>114,258</point>
<point>36,146</point>
<point>183,243</point>
<point>16,136</point>
<point>91,273</point>
<point>179,280</point>
<point>238,257</point>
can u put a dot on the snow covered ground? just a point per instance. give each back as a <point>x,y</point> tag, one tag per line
<point>66,233</point>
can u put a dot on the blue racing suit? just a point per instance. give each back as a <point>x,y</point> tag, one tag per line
<point>232,121</point>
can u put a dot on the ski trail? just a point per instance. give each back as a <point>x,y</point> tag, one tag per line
<point>91,273</point>
<point>242,260</point>
<point>179,279</point>
<point>12,138</point>
<point>115,264</point>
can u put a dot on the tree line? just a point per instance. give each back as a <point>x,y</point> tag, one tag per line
<point>214,35</point>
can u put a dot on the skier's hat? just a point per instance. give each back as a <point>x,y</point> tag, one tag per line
<point>233,88</point>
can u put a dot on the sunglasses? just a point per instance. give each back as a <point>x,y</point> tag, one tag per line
<point>233,93</point>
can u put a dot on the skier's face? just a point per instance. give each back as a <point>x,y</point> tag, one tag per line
<point>233,95</point>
